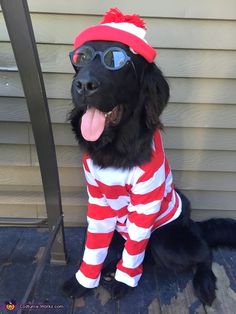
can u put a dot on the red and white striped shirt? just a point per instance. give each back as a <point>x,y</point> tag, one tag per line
<point>132,201</point>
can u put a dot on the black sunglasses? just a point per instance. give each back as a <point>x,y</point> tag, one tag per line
<point>113,58</point>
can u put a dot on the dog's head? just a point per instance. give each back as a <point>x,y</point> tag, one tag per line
<point>118,97</point>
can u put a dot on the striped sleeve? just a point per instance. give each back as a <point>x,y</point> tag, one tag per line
<point>101,226</point>
<point>146,198</point>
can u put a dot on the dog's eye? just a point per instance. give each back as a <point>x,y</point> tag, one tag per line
<point>82,56</point>
<point>114,59</point>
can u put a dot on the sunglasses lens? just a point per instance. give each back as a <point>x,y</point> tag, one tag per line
<point>114,58</point>
<point>82,56</point>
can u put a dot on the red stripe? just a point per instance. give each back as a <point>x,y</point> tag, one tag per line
<point>166,201</point>
<point>156,194</point>
<point>94,191</point>
<point>113,191</point>
<point>122,212</point>
<point>124,235</point>
<point>105,32</point>
<point>132,272</point>
<point>158,140</point>
<point>157,159</point>
<point>167,168</point>
<point>135,247</point>
<point>151,167</point>
<point>143,221</point>
<point>85,164</point>
<point>100,212</point>
<point>90,271</point>
<point>98,240</point>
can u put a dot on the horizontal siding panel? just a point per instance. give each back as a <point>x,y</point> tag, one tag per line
<point>66,156</point>
<point>69,156</point>
<point>175,115</point>
<point>17,155</point>
<point>202,90</point>
<point>199,138</point>
<point>15,109</point>
<point>199,199</point>
<point>205,180</point>
<point>14,133</point>
<point>194,160</point>
<point>173,62</point>
<point>73,215</point>
<point>76,215</point>
<point>203,214</point>
<point>23,197</point>
<point>165,33</point>
<point>212,200</point>
<point>63,135</point>
<point>72,179</point>
<point>197,63</point>
<point>174,138</point>
<point>199,160</point>
<point>11,176</point>
<point>182,89</point>
<point>199,115</point>
<point>18,210</point>
<point>185,8</point>
<point>207,200</point>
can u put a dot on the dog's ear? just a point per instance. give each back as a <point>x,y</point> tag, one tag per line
<point>154,95</point>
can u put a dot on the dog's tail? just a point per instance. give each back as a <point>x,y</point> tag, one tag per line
<point>219,232</point>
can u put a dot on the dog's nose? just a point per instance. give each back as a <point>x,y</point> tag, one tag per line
<point>87,86</point>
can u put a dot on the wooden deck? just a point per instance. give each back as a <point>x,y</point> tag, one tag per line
<point>159,291</point>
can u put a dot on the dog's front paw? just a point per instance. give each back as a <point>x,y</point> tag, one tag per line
<point>73,289</point>
<point>205,287</point>
<point>119,289</point>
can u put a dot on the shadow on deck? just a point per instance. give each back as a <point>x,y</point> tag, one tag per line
<point>159,291</point>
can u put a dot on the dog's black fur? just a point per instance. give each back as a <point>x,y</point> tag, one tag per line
<point>142,92</point>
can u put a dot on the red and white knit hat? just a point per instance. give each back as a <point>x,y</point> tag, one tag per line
<point>127,29</point>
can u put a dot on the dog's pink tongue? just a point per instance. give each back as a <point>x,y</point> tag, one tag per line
<point>92,124</point>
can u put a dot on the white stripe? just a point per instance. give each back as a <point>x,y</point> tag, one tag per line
<point>125,278</point>
<point>146,209</point>
<point>154,182</point>
<point>123,231</point>
<point>169,181</point>
<point>122,219</point>
<point>177,214</point>
<point>110,176</point>
<point>137,174</point>
<point>89,178</point>
<point>153,146</point>
<point>119,202</point>
<point>138,233</point>
<point>94,256</point>
<point>132,261</point>
<point>128,27</point>
<point>87,282</point>
<point>121,228</point>
<point>101,226</point>
<point>97,201</point>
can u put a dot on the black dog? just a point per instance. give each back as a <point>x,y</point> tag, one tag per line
<point>133,98</point>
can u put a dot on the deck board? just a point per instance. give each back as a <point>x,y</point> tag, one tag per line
<point>159,291</point>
